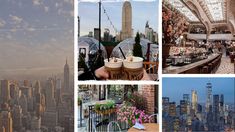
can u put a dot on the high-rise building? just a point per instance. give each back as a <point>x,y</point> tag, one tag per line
<point>216,104</point>
<point>23,104</point>
<point>186,97</point>
<point>172,109</point>
<point>96,33</point>
<point>66,78</point>
<point>208,96</point>
<point>5,91</point>
<point>17,117</point>
<point>149,33</point>
<point>194,101</point>
<point>50,94</point>
<point>165,104</point>
<point>126,21</point>
<point>183,107</point>
<point>221,103</point>
<point>37,87</point>
<point>106,35</point>
<point>6,121</point>
<point>78,26</point>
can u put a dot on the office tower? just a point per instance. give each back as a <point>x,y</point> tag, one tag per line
<point>106,35</point>
<point>35,124</point>
<point>37,87</point>
<point>5,91</point>
<point>12,91</point>
<point>194,101</point>
<point>126,21</point>
<point>66,78</point>
<point>149,33</point>
<point>78,26</point>
<point>165,105</point>
<point>50,95</point>
<point>17,117</point>
<point>26,83</point>
<point>23,104</point>
<point>186,97</point>
<point>216,104</point>
<point>172,109</point>
<point>96,33</point>
<point>50,119</point>
<point>221,103</point>
<point>6,123</point>
<point>183,107</point>
<point>208,96</point>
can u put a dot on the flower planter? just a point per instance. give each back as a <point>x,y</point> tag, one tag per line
<point>106,112</point>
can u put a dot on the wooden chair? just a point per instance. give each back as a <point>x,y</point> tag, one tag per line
<point>151,67</point>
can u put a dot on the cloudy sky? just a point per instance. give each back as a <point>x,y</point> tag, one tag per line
<point>142,11</point>
<point>176,87</point>
<point>36,36</point>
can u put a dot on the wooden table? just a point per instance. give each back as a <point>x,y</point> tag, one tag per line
<point>149,127</point>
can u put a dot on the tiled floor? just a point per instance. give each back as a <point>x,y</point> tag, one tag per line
<point>226,67</point>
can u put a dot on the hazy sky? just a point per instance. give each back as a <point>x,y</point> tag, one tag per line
<point>176,87</point>
<point>36,36</point>
<point>141,12</point>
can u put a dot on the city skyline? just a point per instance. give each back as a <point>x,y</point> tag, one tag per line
<point>33,31</point>
<point>181,86</point>
<point>89,21</point>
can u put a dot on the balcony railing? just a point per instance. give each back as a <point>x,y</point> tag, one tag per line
<point>99,122</point>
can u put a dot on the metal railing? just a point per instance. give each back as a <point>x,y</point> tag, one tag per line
<point>99,122</point>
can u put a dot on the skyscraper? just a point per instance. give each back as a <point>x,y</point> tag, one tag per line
<point>126,21</point>
<point>66,77</point>
<point>209,96</point>
<point>194,101</point>
<point>216,103</point>
<point>106,35</point>
<point>5,91</point>
<point>6,121</point>
<point>96,33</point>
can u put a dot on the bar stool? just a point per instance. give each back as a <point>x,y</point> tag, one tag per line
<point>205,69</point>
<point>210,68</point>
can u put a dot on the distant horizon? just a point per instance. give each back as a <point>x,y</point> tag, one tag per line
<point>174,88</point>
<point>36,37</point>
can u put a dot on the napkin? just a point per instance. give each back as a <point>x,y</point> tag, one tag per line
<point>139,126</point>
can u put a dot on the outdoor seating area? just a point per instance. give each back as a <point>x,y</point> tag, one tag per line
<point>117,108</point>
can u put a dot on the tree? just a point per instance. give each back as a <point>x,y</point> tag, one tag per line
<point>137,49</point>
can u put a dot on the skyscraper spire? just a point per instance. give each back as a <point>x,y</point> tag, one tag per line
<point>66,77</point>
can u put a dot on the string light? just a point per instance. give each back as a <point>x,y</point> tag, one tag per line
<point>111,23</point>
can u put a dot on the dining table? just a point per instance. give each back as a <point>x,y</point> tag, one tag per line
<point>149,127</point>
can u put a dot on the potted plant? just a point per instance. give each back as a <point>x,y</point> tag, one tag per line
<point>105,108</point>
<point>131,115</point>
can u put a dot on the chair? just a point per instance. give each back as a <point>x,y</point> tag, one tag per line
<point>151,67</point>
<point>112,123</point>
<point>153,115</point>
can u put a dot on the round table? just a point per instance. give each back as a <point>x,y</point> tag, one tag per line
<point>149,127</point>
